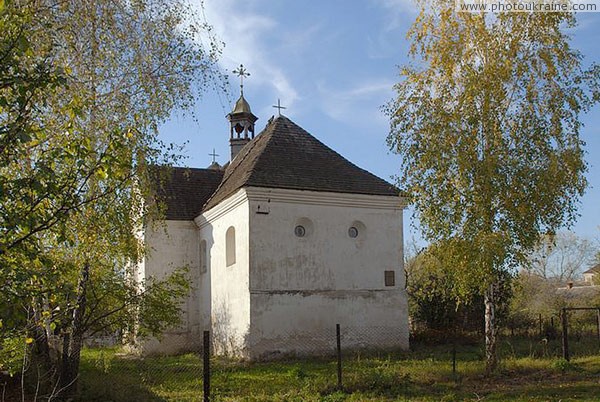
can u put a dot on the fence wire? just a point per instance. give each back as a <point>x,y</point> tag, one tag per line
<point>371,359</point>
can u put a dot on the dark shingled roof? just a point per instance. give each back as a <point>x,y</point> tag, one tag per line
<point>184,190</point>
<point>286,156</point>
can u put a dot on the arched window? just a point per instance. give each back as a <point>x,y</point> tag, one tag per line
<point>203,257</point>
<point>230,246</point>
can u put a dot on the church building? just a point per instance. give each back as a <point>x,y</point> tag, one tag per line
<point>282,243</point>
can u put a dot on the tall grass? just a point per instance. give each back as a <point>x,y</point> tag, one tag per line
<point>531,370</point>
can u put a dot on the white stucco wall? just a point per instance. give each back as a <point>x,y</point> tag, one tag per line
<point>301,287</point>
<point>303,323</point>
<point>284,293</point>
<point>229,291</point>
<point>172,245</point>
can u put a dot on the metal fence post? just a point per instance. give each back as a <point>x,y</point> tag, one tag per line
<point>565,335</point>
<point>454,359</point>
<point>598,323</point>
<point>206,366</point>
<point>339,356</point>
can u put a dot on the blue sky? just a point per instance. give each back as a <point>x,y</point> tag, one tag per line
<point>333,64</point>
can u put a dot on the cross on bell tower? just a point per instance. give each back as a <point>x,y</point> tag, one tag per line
<point>241,119</point>
<point>241,72</point>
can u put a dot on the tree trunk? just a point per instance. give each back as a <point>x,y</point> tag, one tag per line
<point>41,350</point>
<point>491,358</point>
<point>73,341</point>
<point>70,369</point>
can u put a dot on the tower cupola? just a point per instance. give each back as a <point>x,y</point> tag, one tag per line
<point>241,119</point>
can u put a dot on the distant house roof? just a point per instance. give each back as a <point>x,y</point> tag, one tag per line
<point>593,270</point>
<point>286,156</point>
<point>579,292</point>
<point>184,190</point>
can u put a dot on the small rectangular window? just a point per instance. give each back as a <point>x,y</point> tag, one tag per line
<point>390,278</point>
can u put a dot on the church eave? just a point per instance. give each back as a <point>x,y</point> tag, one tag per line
<point>311,197</point>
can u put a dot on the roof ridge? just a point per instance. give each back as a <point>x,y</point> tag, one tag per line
<point>270,124</point>
<point>324,146</point>
<point>337,153</point>
<point>231,168</point>
<point>264,131</point>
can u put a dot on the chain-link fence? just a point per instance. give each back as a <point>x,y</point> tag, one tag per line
<point>369,359</point>
<point>360,362</point>
<point>142,374</point>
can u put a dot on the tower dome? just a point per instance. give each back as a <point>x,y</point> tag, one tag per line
<point>241,106</point>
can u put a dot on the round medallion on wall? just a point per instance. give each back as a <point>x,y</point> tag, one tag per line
<point>353,232</point>
<point>304,227</point>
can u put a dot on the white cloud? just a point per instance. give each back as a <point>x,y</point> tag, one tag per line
<point>304,38</point>
<point>396,18</point>
<point>360,103</point>
<point>243,31</point>
<point>397,11</point>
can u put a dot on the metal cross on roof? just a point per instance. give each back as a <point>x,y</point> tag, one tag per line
<point>241,72</point>
<point>214,155</point>
<point>279,107</point>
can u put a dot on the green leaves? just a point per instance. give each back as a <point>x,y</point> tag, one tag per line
<point>83,86</point>
<point>488,127</point>
<point>159,306</point>
<point>487,122</point>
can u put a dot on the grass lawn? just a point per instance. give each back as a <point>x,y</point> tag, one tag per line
<point>530,371</point>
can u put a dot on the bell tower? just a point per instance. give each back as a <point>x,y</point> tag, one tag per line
<point>241,119</point>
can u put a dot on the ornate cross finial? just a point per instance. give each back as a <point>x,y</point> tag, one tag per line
<point>214,155</point>
<point>241,72</point>
<point>279,107</point>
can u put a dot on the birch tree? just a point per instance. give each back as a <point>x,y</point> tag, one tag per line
<point>487,121</point>
<point>75,146</point>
